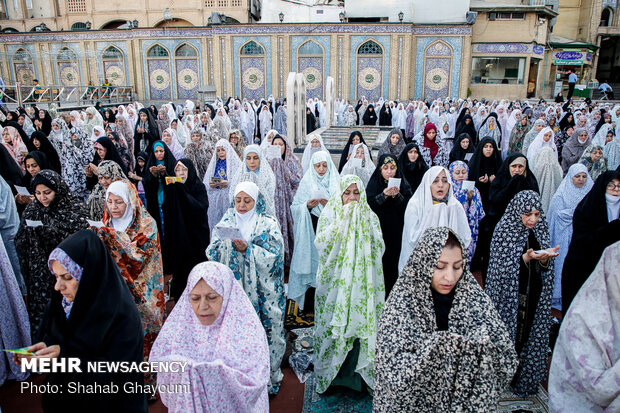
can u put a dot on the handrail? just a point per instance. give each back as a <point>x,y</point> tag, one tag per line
<point>63,95</point>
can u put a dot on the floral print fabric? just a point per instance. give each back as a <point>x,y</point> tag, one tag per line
<point>350,290</point>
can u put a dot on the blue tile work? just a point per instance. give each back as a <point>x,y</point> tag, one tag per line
<point>171,45</point>
<point>456,43</point>
<point>12,48</point>
<point>610,3</point>
<point>264,41</point>
<point>312,67</point>
<point>324,41</point>
<point>75,47</point>
<point>321,64</point>
<point>120,45</point>
<point>356,41</point>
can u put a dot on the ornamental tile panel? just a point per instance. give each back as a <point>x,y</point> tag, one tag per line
<point>187,78</point>
<point>253,78</point>
<point>369,77</point>
<point>160,87</point>
<point>265,42</point>
<point>312,68</point>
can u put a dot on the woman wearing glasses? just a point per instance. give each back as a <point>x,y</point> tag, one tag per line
<point>595,227</point>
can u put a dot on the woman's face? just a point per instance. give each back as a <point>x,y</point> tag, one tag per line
<point>431,134</point>
<point>524,121</point>
<point>440,186</point>
<point>517,169</point>
<point>252,160</point>
<point>465,143</point>
<point>167,137</point>
<point>233,139</point>
<point>97,132</point>
<point>487,149</point>
<point>101,151</point>
<point>321,168</point>
<point>206,303</point>
<point>243,202</point>
<point>579,180</point>
<point>220,152</point>
<point>279,142</point>
<point>143,117</point>
<point>196,137</point>
<point>181,171</point>
<point>105,181</point>
<point>448,271</point>
<point>609,137</point>
<point>141,163</point>
<point>517,115</point>
<point>116,206</point>
<point>359,152</point>
<point>54,126</point>
<point>394,138</point>
<point>351,194</point>
<point>36,143</point>
<point>531,218</point>
<point>32,167</point>
<point>596,155</point>
<point>44,195</point>
<point>65,283</point>
<point>467,121</point>
<point>315,143</point>
<point>159,153</point>
<point>41,114</point>
<point>539,127</point>
<point>413,155</point>
<point>388,171</point>
<point>356,140</point>
<point>547,136</point>
<point>203,118</point>
<point>460,174</point>
<point>569,131</point>
<point>583,136</point>
<point>446,127</point>
<point>7,136</point>
<point>613,188</point>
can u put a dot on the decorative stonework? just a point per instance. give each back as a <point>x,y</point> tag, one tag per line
<point>508,48</point>
<point>159,79</point>
<point>369,77</point>
<point>610,3</point>
<point>69,75</point>
<point>187,79</point>
<point>447,57</point>
<point>360,62</point>
<point>114,74</point>
<point>253,78</point>
<point>238,42</point>
<point>312,68</point>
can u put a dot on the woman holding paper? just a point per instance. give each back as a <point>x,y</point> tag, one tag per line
<point>520,284</point>
<point>359,163</point>
<point>256,169</point>
<point>54,214</point>
<point>160,165</point>
<point>108,172</point>
<point>251,244</point>
<point>388,195</point>
<point>469,196</point>
<point>223,165</point>
<point>287,171</point>
<point>319,184</point>
<point>433,204</point>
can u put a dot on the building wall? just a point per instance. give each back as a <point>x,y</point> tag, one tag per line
<point>413,60</point>
<point>299,13</point>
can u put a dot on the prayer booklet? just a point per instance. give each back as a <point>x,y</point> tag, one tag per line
<point>394,183</point>
<point>468,156</point>
<point>541,252</point>
<point>33,223</point>
<point>318,194</point>
<point>356,162</point>
<point>96,224</point>
<point>22,351</point>
<point>468,185</point>
<point>272,151</point>
<point>22,190</point>
<point>229,233</point>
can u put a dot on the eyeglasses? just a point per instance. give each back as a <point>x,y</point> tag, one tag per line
<point>613,187</point>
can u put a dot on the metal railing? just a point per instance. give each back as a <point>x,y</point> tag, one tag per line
<point>65,95</point>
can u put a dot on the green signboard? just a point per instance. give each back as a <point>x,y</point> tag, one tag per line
<point>568,62</point>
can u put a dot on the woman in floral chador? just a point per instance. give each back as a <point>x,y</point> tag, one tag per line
<point>350,290</point>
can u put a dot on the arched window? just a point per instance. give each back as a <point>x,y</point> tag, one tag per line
<point>157,51</point>
<point>185,50</point>
<point>66,54</point>
<point>370,47</point>
<point>252,48</point>
<point>22,55</point>
<point>112,53</point>
<point>606,17</point>
<point>78,26</point>
<point>310,48</point>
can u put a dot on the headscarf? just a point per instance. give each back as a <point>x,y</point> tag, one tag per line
<point>120,188</point>
<point>97,198</point>
<point>348,148</point>
<point>350,290</point>
<point>208,349</point>
<point>41,160</point>
<point>175,147</point>
<point>584,368</point>
<point>560,214</point>
<point>538,143</point>
<point>502,286</point>
<point>263,177</point>
<point>367,168</point>
<point>548,175</point>
<point>309,151</point>
<point>412,171</point>
<point>475,354</point>
<point>458,153</point>
<point>574,148</point>
<point>431,144</point>
<point>529,137</point>
<point>111,153</point>
<point>48,149</point>
<point>17,148</point>
<point>388,148</point>
<point>423,213</point>
<point>245,222</point>
<point>595,169</point>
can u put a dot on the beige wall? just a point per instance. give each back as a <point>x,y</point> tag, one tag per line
<point>499,31</point>
<point>496,92</point>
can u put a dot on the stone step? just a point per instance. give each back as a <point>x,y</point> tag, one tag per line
<point>336,137</point>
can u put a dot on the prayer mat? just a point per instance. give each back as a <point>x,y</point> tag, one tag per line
<point>296,318</point>
<point>508,402</point>
<point>335,400</point>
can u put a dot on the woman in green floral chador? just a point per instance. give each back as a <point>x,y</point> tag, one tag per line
<point>350,289</point>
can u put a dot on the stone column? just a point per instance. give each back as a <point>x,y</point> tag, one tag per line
<point>329,101</point>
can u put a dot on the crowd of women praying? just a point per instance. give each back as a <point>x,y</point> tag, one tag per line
<point>100,207</point>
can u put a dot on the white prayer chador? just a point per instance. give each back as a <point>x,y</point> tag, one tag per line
<point>422,213</point>
<point>548,173</point>
<point>309,151</point>
<point>538,143</point>
<point>263,177</point>
<point>365,170</point>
